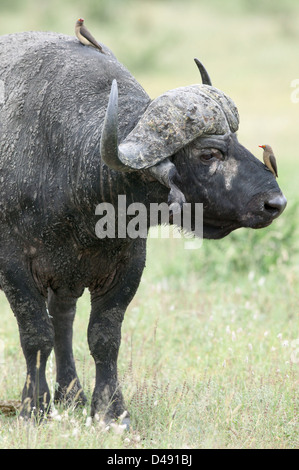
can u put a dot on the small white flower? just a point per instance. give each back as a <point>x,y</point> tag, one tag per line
<point>250,346</point>
<point>285,343</point>
<point>123,415</point>
<point>88,421</point>
<point>118,428</point>
<point>266,333</point>
<point>261,281</point>
<point>55,415</point>
<point>279,336</point>
<point>233,336</point>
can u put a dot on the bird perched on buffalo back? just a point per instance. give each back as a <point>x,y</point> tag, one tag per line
<point>84,35</point>
<point>269,159</point>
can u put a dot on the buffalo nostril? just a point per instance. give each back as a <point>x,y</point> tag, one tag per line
<point>276,205</point>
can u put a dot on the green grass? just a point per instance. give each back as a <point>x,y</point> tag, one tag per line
<point>202,364</point>
<point>209,355</point>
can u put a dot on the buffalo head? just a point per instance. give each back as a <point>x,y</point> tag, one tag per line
<point>186,139</point>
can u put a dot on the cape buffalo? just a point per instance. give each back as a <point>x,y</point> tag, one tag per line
<point>68,144</point>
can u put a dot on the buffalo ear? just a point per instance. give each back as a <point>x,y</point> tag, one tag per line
<point>166,173</point>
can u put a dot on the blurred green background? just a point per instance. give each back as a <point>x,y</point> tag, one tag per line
<point>251,278</point>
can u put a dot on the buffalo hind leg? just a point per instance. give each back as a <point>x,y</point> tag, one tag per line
<point>104,336</point>
<point>36,335</point>
<point>62,309</point>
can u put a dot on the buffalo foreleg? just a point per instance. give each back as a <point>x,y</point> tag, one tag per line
<point>104,336</point>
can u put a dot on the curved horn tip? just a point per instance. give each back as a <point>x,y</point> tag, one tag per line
<point>203,72</point>
<point>114,86</point>
<point>109,139</point>
<point>113,97</point>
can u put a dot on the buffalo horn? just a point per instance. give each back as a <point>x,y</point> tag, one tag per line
<point>204,74</point>
<point>164,172</point>
<point>109,138</point>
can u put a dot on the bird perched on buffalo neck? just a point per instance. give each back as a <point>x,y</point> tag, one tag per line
<point>269,159</point>
<point>84,35</point>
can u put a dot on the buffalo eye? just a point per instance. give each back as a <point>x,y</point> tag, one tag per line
<point>210,155</point>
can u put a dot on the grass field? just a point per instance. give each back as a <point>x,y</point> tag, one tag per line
<point>210,344</point>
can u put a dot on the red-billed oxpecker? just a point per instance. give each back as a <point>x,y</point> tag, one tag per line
<point>269,159</point>
<point>84,35</point>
